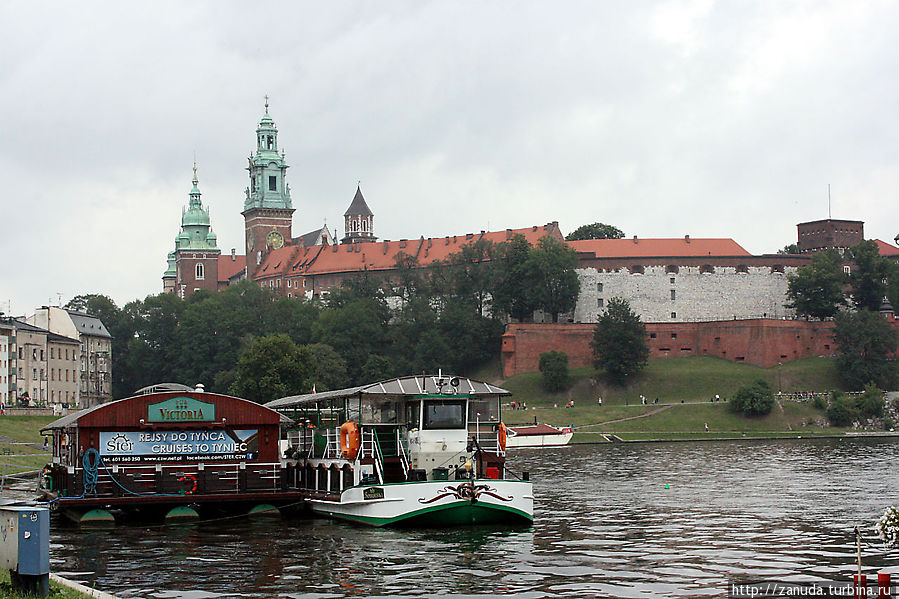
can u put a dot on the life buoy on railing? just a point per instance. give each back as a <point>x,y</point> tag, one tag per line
<point>190,478</point>
<point>501,436</point>
<point>350,439</point>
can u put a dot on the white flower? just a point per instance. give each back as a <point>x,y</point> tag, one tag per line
<point>888,527</point>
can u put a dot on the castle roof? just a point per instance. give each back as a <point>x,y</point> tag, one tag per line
<point>643,248</point>
<point>886,249</point>
<point>228,267</point>
<point>358,207</point>
<point>381,255</point>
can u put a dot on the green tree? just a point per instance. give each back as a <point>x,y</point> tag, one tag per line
<point>356,328</point>
<point>756,399</point>
<point>273,367</point>
<point>816,290</point>
<point>328,368</point>
<point>554,283</point>
<point>376,368</point>
<point>619,342</point>
<point>513,294</point>
<point>789,249</point>
<point>868,278</point>
<point>866,343</point>
<point>595,231</point>
<point>472,274</point>
<point>554,368</point>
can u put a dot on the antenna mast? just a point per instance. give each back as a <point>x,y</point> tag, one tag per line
<point>828,201</point>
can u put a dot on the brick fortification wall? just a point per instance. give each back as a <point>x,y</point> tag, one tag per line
<point>761,342</point>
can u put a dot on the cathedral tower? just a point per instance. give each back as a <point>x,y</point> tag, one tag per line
<point>358,221</point>
<point>194,263</point>
<point>268,211</point>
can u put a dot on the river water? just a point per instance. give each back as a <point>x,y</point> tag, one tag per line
<point>617,520</point>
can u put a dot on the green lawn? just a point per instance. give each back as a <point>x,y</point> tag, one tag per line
<point>22,429</point>
<point>671,380</point>
<point>57,591</point>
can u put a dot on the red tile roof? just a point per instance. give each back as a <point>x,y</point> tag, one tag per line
<point>680,247</point>
<point>886,249</point>
<point>381,255</point>
<point>228,267</point>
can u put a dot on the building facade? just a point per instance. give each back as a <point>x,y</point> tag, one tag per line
<point>819,235</point>
<point>92,356</point>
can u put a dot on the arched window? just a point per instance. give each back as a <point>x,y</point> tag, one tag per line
<point>201,272</point>
<point>364,225</point>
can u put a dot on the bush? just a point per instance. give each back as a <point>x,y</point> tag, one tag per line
<point>756,399</point>
<point>841,411</point>
<point>820,402</point>
<point>554,368</point>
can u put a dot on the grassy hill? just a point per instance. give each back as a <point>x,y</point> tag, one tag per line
<point>684,388</point>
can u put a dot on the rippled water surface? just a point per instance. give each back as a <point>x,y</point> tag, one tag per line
<point>606,525</point>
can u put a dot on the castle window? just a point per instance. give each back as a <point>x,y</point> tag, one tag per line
<point>599,287</point>
<point>201,272</point>
<point>272,183</point>
<point>599,303</point>
<point>673,315</point>
<point>847,269</point>
<point>672,295</point>
<point>706,269</point>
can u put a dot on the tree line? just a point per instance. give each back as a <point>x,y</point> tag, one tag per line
<point>250,341</point>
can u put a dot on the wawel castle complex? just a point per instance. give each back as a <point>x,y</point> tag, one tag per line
<point>665,280</point>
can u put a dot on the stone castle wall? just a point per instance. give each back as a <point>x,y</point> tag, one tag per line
<point>686,293</point>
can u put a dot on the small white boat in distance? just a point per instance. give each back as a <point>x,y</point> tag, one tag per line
<point>538,435</point>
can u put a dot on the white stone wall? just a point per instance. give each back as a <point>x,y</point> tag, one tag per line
<point>719,295</point>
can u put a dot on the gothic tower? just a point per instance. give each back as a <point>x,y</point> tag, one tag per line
<point>268,211</point>
<point>358,221</point>
<point>194,263</point>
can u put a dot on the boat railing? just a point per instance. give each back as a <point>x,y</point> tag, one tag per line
<point>370,449</point>
<point>121,480</point>
<point>332,443</point>
<point>487,441</point>
<point>402,451</point>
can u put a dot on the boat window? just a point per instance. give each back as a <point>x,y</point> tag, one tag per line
<point>376,411</point>
<point>352,409</point>
<point>413,414</point>
<point>444,414</point>
<point>483,410</point>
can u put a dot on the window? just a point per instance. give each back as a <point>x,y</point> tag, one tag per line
<point>444,414</point>
<point>599,303</point>
<point>599,287</point>
<point>672,280</point>
<point>272,183</point>
<point>847,269</point>
<point>42,355</point>
<point>52,353</point>
<point>672,295</point>
<point>34,374</point>
<point>201,272</point>
<point>674,315</point>
<point>674,335</point>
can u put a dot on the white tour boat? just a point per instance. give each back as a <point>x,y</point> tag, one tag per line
<point>538,435</point>
<point>419,451</point>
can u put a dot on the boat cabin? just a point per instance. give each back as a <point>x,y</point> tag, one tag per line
<point>415,428</point>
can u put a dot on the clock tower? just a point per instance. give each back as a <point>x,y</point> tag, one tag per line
<point>267,209</point>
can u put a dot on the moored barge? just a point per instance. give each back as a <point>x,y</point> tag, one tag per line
<point>171,452</point>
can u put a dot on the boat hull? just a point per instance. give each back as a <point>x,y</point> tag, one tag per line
<point>433,503</point>
<point>539,440</point>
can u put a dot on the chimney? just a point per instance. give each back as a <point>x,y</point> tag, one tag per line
<point>635,239</point>
<point>509,234</point>
<point>233,255</point>
<point>687,238</point>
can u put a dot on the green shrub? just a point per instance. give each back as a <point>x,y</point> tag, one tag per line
<point>820,402</point>
<point>756,399</point>
<point>870,403</point>
<point>841,411</point>
<point>554,368</point>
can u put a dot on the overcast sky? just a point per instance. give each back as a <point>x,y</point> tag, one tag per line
<point>713,119</point>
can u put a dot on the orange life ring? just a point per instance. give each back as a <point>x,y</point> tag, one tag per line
<point>190,478</point>
<point>501,436</point>
<point>350,439</point>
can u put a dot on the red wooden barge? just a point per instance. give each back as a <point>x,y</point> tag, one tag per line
<point>169,451</point>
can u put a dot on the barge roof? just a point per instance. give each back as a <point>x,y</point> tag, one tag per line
<point>406,386</point>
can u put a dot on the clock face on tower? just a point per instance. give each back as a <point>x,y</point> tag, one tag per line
<point>274,240</point>
<point>251,242</point>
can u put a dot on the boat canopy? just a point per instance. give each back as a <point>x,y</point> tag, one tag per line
<point>409,386</point>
